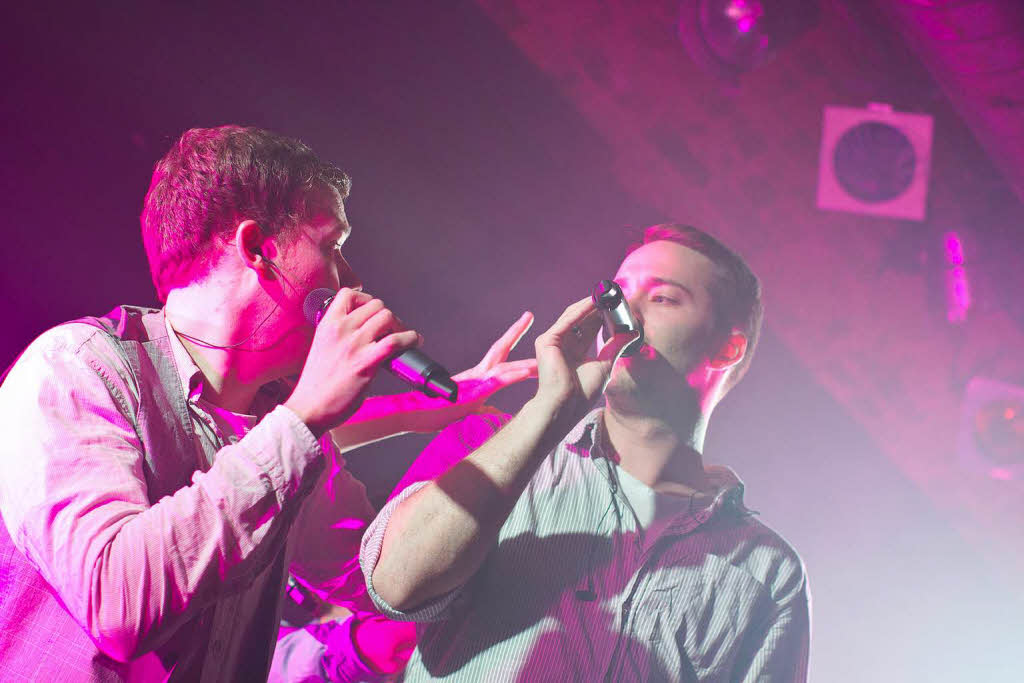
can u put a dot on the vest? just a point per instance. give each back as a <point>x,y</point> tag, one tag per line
<point>39,639</point>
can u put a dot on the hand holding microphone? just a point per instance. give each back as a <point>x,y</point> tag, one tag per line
<point>356,333</point>
<point>567,374</point>
<point>618,318</point>
<point>411,366</point>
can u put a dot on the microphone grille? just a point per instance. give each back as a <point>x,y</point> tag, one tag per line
<point>315,303</point>
<point>607,295</point>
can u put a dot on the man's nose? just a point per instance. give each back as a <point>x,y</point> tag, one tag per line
<point>346,275</point>
<point>635,300</point>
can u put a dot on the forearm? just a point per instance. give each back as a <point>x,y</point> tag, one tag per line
<point>379,417</point>
<point>438,537</point>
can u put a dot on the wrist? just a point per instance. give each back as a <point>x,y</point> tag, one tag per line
<point>554,417</point>
<point>307,417</point>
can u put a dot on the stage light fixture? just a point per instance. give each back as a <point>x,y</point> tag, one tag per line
<point>731,37</point>
<point>991,439</point>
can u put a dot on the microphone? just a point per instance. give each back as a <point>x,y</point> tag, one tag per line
<point>411,366</point>
<point>618,319</point>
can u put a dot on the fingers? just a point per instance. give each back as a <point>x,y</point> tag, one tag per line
<point>574,330</point>
<point>391,345</point>
<point>508,374</point>
<point>356,335</point>
<point>573,315</point>
<point>586,329</point>
<point>379,324</point>
<point>345,301</point>
<point>503,346</point>
<point>353,307</point>
<point>525,368</point>
<point>360,313</point>
<point>374,331</point>
<point>580,319</point>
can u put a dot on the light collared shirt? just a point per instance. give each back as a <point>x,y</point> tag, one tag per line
<point>595,577</point>
<point>187,585</point>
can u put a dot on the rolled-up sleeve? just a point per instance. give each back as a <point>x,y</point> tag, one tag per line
<point>74,497</point>
<point>453,444</point>
<point>369,554</point>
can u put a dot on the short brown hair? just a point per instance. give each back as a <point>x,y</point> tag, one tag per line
<point>213,178</point>
<point>735,291</point>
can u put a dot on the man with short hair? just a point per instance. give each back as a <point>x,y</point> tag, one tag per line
<point>160,474</point>
<point>588,546</point>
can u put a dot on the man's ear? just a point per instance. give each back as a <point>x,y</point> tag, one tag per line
<point>249,245</point>
<point>731,352</point>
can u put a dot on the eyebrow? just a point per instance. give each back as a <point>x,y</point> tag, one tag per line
<point>655,280</point>
<point>672,283</point>
<point>666,281</point>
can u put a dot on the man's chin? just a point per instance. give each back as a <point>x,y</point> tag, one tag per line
<point>644,377</point>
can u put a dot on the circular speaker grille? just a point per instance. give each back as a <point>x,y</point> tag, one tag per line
<point>874,162</point>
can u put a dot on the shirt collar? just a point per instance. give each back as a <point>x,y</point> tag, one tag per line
<point>189,375</point>
<point>728,491</point>
<point>586,435</point>
<point>585,440</point>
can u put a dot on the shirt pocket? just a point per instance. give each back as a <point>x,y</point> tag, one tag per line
<point>651,652</point>
<point>692,618</point>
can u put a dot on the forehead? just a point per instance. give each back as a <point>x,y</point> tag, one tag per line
<point>325,214</point>
<point>325,201</point>
<point>670,261</point>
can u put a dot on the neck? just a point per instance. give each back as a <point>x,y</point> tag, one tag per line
<point>663,453</point>
<point>218,334</point>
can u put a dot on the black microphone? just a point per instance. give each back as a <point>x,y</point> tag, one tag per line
<point>412,366</point>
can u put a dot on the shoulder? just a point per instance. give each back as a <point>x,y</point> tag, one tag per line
<point>72,359</point>
<point>773,561</point>
<point>54,348</point>
<point>99,334</point>
<point>69,336</point>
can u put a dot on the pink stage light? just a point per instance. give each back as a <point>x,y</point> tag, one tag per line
<point>745,14</point>
<point>954,249</point>
<point>1001,473</point>
<point>958,292</point>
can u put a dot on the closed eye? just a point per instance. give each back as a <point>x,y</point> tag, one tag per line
<point>662,299</point>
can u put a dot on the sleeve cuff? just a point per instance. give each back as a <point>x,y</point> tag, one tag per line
<point>286,451</point>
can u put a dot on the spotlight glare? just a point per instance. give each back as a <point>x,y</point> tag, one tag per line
<point>730,37</point>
